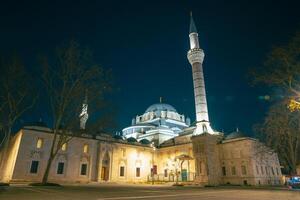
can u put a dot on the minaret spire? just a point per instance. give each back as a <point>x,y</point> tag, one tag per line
<point>193,28</point>
<point>196,56</point>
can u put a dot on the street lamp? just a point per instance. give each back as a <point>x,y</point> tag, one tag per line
<point>152,171</point>
<point>294,105</point>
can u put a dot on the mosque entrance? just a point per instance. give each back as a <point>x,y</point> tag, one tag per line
<point>184,175</point>
<point>184,162</point>
<point>180,173</point>
<point>104,174</point>
<point>105,167</point>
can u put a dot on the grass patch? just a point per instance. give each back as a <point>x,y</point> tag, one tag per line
<point>233,185</point>
<point>208,186</point>
<point>45,184</point>
<point>178,184</point>
<point>4,184</point>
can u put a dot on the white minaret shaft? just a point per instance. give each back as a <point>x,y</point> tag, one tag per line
<point>196,57</point>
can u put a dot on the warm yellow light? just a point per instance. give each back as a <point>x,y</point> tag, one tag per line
<point>85,148</point>
<point>11,160</point>
<point>294,105</point>
<point>64,147</point>
<point>39,143</point>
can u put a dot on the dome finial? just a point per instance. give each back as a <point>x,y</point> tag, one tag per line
<point>160,99</point>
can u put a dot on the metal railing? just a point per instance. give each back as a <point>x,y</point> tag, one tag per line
<point>188,177</point>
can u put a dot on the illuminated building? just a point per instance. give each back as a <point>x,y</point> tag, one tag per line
<point>159,123</point>
<point>183,152</point>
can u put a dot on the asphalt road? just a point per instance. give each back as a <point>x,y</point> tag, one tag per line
<point>124,192</point>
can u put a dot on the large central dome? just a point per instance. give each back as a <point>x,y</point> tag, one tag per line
<point>159,123</point>
<point>160,107</point>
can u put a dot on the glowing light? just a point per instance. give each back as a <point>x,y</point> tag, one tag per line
<point>85,148</point>
<point>64,147</point>
<point>294,105</point>
<point>39,143</point>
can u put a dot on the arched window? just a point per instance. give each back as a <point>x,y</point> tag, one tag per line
<point>86,148</point>
<point>39,143</point>
<point>122,171</point>
<point>204,128</point>
<point>64,147</point>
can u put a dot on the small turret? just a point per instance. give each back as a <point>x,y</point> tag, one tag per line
<point>84,112</point>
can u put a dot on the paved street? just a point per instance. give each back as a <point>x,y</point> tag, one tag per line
<point>123,192</point>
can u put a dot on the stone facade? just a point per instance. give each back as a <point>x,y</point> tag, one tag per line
<point>238,161</point>
<point>203,159</point>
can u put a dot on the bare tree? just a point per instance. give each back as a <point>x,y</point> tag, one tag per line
<point>16,97</point>
<point>281,70</point>
<point>281,131</point>
<point>68,78</point>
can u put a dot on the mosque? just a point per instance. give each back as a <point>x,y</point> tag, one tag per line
<point>160,145</point>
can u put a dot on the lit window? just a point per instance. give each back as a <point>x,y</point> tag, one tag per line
<point>64,147</point>
<point>34,167</point>
<point>85,148</point>
<point>122,171</point>
<point>83,170</point>
<point>244,170</point>
<point>138,172</point>
<point>39,143</point>
<point>233,170</point>
<point>60,168</point>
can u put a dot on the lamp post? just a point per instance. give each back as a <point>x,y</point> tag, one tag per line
<point>152,171</point>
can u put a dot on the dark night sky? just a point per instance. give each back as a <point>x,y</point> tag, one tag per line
<point>145,43</point>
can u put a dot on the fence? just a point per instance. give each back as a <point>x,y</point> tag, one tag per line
<point>181,177</point>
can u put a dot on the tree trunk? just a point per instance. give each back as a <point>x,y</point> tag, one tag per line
<point>46,174</point>
<point>294,165</point>
<point>4,154</point>
<point>51,157</point>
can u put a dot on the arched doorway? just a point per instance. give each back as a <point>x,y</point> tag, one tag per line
<point>184,163</point>
<point>105,167</point>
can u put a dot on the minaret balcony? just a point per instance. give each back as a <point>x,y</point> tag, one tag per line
<point>195,55</point>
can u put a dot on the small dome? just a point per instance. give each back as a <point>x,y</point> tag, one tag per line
<point>160,107</point>
<point>131,140</point>
<point>234,135</point>
<point>144,141</point>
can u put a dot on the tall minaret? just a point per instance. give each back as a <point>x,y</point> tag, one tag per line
<point>84,114</point>
<point>196,56</point>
